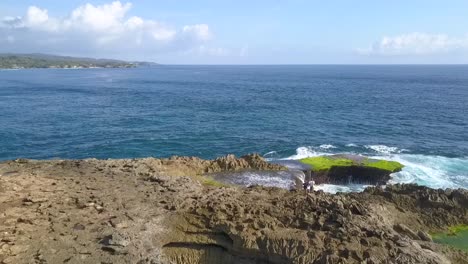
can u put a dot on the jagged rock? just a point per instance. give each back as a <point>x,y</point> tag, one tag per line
<point>231,163</point>
<point>424,236</point>
<point>403,229</point>
<point>169,216</point>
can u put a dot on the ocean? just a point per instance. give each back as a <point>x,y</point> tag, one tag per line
<point>417,115</point>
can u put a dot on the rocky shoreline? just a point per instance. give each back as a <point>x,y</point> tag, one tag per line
<point>165,211</point>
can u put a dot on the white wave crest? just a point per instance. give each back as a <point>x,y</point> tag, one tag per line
<point>432,171</point>
<point>270,155</point>
<point>426,170</point>
<point>351,145</point>
<point>327,146</point>
<point>385,149</point>
<point>305,152</point>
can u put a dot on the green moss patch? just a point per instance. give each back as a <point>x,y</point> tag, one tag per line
<point>323,163</point>
<point>392,166</point>
<point>212,182</point>
<point>456,236</point>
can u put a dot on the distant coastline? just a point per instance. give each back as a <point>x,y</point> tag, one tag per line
<point>45,61</point>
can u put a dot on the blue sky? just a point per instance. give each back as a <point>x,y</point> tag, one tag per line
<point>241,32</point>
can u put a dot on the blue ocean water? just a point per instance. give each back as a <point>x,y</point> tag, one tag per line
<point>415,114</point>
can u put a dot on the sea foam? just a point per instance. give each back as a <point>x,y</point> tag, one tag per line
<point>384,149</point>
<point>427,170</point>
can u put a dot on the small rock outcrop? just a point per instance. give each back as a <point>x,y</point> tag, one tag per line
<point>346,169</point>
<point>231,163</point>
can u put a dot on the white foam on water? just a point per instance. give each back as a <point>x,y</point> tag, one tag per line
<point>385,149</point>
<point>351,145</point>
<point>280,179</point>
<point>430,171</point>
<point>331,188</point>
<point>306,152</point>
<point>270,153</point>
<point>327,146</point>
<point>426,170</point>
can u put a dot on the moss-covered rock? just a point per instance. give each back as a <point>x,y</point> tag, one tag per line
<point>342,169</point>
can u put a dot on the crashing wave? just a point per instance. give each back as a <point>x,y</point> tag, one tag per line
<point>304,152</point>
<point>430,171</point>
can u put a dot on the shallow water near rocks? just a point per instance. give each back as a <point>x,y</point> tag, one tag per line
<point>458,240</point>
<point>280,179</point>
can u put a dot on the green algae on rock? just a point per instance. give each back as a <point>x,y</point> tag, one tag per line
<point>351,168</point>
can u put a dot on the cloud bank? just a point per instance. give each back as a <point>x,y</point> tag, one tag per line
<point>417,44</point>
<point>101,29</point>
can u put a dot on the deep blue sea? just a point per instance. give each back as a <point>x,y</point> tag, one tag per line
<point>417,115</point>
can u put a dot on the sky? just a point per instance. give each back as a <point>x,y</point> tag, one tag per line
<point>241,32</point>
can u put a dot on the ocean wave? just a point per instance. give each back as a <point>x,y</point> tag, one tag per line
<point>305,152</point>
<point>385,149</point>
<point>270,155</point>
<point>431,171</point>
<point>351,145</point>
<point>327,146</point>
<point>427,170</point>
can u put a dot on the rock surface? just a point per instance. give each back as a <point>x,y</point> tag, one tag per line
<point>347,168</point>
<point>159,211</point>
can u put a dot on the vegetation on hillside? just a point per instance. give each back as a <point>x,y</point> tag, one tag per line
<point>26,61</point>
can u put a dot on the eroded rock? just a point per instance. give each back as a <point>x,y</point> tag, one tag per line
<point>158,211</point>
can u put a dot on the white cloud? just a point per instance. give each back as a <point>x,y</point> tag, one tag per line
<point>199,31</point>
<point>108,17</point>
<point>97,29</point>
<point>36,16</point>
<point>416,44</point>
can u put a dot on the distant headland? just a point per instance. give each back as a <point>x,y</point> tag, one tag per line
<point>38,60</point>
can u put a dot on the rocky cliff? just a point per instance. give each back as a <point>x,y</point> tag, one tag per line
<point>160,211</point>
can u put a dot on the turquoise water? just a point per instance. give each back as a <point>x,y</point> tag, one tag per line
<point>417,115</point>
<point>457,240</point>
